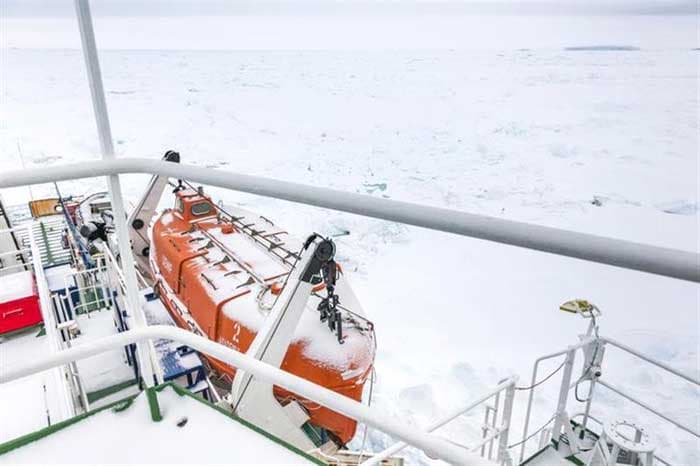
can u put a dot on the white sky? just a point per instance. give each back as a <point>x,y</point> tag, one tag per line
<point>345,7</point>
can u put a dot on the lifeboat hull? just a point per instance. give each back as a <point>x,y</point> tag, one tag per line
<point>219,281</point>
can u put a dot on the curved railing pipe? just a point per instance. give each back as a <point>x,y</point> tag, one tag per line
<point>679,264</point>
<point>432,445</point>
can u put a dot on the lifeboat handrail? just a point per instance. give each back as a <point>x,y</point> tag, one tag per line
<point>430,444</point>
<point>264,241</point>
<point>233,256</point>
<point>684,265</point>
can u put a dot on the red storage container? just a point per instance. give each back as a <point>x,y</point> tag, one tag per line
<point>19,302</point>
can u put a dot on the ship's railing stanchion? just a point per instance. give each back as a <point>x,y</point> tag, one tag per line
<point>503,456</point>
<point>499,433</point>
<point>533,384</point>
<point>99,103</point>
<point>560,416</point>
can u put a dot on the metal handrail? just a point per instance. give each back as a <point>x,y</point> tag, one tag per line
<point>666,418</point>
<point>14,266</point>
<point>674,263</point>
<point>454,414</point>
<point>654,362</point>
<point>17,251</point>
<point>533,383</point>
<point>567,385</point>
<point>432,445</point>
<point>651,360</point>
<point>13,229</point>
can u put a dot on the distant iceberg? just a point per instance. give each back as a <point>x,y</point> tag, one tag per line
<point>603,48</point>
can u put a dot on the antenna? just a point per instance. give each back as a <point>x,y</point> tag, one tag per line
<point>585,309</point>
<point>21,159</point>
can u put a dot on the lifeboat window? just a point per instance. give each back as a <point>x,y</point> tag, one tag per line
<point>178,205</point>
<point>201,208</point>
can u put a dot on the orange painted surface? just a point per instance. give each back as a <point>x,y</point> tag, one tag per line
<point>187,250</point>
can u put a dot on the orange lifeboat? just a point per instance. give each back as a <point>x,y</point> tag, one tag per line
<point>219,272</point>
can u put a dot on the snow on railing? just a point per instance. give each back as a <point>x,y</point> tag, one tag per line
<point>432,445</point>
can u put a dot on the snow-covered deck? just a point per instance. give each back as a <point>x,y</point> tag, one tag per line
<point>32,402</point>
<point>190,432</point>
<point>103,370</point>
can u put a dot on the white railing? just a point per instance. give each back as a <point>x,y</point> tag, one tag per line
<point>66,402</point>
<point>561,418</point>
<point>491,432</point>
<point>653,259</point>
<point>95,280</point>
<point>569,359</point>
<point>24,263</point>
<point>659,364</point>
<point>15,266</point>
<point>432,445</point>
<point>117,282</point>
<point>10,253</point>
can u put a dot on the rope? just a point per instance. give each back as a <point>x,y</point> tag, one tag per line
<point>585,373</point>
<point>534,433</point>
<point>543,380</point>
<point>369,403</point>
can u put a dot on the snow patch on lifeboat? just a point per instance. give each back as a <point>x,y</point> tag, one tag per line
<point>318,342</point>
<point>166,218</point>
<point>251,254</point>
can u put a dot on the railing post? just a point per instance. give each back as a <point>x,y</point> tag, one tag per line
<point>47,313</point>
<point>99,103</point>
<point>502,455</point>
<point>591,387</point>
<point>563,394</point>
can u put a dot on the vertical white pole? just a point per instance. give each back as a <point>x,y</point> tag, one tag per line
<point>87,36</point>
<point>563,394</point>
<point>591,388</point>
<point>506,419</point>
<point>92,63</point>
